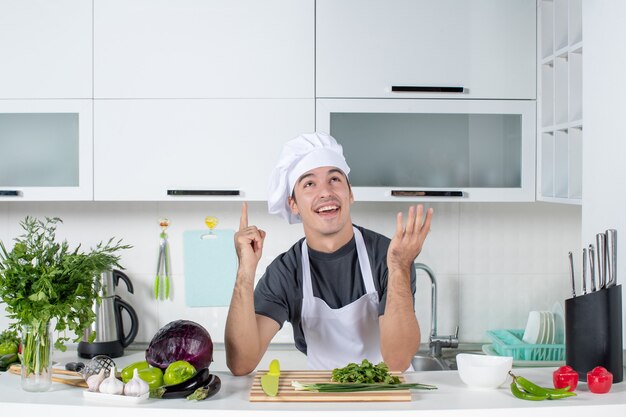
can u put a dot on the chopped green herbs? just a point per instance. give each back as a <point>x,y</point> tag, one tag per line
<point>367,373</point>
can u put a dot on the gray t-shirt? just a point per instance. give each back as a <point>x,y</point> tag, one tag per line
<point>336,278</point>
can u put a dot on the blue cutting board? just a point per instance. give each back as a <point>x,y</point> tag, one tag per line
<point>210,268</point>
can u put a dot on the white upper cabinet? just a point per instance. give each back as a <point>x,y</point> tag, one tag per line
<point>204,49</point>
<point>46,150</point>
<point>45,49</point>
<point>435,150</point>
<point>484,48</point>
<point>177,150</point>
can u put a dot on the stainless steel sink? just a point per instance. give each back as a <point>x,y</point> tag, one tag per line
<point>429,363</point>
<point>424,361</point>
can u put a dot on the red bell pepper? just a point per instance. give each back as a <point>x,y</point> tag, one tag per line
<point>599,380</point>
<point>565,376</point>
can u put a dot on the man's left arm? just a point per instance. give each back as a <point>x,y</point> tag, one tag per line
<point>399,329</point>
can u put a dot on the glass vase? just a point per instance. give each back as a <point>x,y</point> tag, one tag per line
<point>36,357</point>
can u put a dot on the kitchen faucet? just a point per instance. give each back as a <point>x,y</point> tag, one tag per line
<point>437,342</point>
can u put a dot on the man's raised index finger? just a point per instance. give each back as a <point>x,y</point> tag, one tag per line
<point>243,221</point>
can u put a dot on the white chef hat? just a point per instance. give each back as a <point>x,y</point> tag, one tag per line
<point>299,155</point>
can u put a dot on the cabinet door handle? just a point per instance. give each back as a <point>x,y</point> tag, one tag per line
<point>183,193</point>
<point>10,193</point>
<point>426,89</point>
<point>411,193</point>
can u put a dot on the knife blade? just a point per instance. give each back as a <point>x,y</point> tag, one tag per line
<point>584,284</point>
<point>592,268</point>
<point>601,264</point>
<point>571,272</point>
<point>611,252</point>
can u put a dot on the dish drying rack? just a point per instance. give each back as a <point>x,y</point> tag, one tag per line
<point>508,342</point>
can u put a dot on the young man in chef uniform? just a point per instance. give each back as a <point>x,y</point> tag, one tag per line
<point>347,291</point>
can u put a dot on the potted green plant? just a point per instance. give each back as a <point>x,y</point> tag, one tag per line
<point>44,282</point>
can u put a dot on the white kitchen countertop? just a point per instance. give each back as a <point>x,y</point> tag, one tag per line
<point>452,398</point>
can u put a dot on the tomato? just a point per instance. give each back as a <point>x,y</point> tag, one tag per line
<point>599,380</point>
<point>565,376</point>
<point>177,372</point>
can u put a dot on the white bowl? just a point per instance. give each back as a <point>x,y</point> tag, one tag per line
<point>481,371</point>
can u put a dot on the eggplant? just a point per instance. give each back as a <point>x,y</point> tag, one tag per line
<point>211,388</point>
<point>185,388</point>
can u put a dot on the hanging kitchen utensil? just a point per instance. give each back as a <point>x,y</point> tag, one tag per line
<point>611,251</point>
<point>162,280</point>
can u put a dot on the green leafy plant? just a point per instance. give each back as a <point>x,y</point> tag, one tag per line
<point>42,280</point>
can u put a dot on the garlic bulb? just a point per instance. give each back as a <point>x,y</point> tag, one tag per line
<point>94,381</point>
<point>112,385</point>
<point>136,387</point>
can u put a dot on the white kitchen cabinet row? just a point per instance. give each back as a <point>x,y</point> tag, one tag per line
<point>452,49</point>
<point>270,49</point>
<point>145,150</point>
<point>192,99</point>
<point>165,49</point>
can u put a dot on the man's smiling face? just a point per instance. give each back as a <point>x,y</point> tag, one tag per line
<point>322,197</point>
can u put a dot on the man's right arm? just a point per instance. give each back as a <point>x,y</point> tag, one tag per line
<point>247,334</point>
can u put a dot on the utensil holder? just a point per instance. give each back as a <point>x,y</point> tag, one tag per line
<point>593,332</point>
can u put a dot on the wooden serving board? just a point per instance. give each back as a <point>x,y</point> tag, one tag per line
<point>286,393</point>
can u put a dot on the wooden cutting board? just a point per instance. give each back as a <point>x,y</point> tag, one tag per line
<point>77,381</point>
<point>286,393</point>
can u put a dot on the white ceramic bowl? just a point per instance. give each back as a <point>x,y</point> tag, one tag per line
<point>482,371</point>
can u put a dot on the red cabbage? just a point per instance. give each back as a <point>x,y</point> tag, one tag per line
<point>180,340</point>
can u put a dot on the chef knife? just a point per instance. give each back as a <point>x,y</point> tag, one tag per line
<point>584,284</point>
<point>601,264</point>
<point>611,254</point>
<point>592,268</point>
<point>571,272</point>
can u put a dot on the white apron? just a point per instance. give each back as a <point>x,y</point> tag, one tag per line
<point>336,337</point>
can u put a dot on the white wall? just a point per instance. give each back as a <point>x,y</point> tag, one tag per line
<point>604,146</point>
<point>494,262</point>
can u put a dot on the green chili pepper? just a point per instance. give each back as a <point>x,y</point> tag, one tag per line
<point>527,390</point>
<point>522,395</point>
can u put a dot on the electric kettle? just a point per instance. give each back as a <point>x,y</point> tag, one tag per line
<point>110,338</point>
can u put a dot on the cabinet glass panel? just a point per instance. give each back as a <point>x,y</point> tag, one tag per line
<point>431,150</point>
<point>39,149</point>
